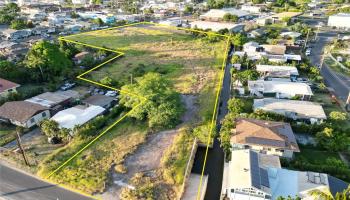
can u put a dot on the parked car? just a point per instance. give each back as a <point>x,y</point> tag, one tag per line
<point>308,52</point>
<point>111,93</point>
<point>67,86</point>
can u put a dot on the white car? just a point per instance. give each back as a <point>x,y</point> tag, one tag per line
<point>308,52</point>
<point>111,93</point>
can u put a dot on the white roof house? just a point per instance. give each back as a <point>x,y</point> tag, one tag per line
<point>251,8</point>
<point>218,14</point>
<point>246,176</point>
<point>292,108</point>
<point>275,70</point>
<point>279,89</point>
<point>340,20</point>
<point>77,115</point>
<point>284,182</point>
<point>216,26</point>
<point>290,34</point>
<point>255,176</point>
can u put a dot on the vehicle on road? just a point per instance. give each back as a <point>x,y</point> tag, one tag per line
<point>308,52</point>
<point>67,86</point>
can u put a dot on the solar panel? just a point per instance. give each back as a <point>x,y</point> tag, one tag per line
<point>255,169</point>
<point>264,177</point>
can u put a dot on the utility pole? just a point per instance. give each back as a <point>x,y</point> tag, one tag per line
<point>307,38</point>
<point>131,78</point>
<point>18,138</point>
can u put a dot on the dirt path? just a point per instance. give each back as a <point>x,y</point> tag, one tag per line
<point>148,156</point>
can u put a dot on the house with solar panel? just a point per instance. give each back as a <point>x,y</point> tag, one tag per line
<point>268,137</point>
<point>255,176</point>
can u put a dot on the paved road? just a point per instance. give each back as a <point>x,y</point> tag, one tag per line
<point>16,185</point>
<point>215,159</point>
<point>339,82</point>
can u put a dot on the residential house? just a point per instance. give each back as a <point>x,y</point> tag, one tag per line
<point>268,137</point>
<point>23,113</point>
<point>7,87</point>
<point>79,57</point>
<point>340,20</point>
<point>252,8</point>
<point>11,34</point>
<point>274,49</point>
<point>53,101</point>
<point>277,18</point>
<point>283,89</point>
<point>290,34</point>
<point>218,14</point>
<point>246,176</point>
<point>77,115</point>
<point>297,110</point>
<point>100,100</point>
<point>256,33</point>
<point>217,26</point>
<point>255,176</point>
<point>14,51</point>
<point>277,71</point>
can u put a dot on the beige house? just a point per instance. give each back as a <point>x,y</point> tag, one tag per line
<point>6,87</point>
<point>268,137</point>
<point>23,113</point>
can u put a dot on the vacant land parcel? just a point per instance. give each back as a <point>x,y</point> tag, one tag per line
<point>193,66</point>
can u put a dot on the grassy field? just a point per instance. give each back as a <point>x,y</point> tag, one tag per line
<point>7,134</point>
<point>191,64</point>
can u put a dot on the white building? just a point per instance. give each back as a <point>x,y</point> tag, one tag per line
<point>297,110</point>
<point>246,176</point>
<point>251,9</point>
<point>217,26</point>
<point>267,137</point>
<point>218,14</point>
<point>279,89</point>
<point>340,20</point>
<point>76,116</point>
<point>254,176</point>
<point>22,113</point>
<point>277,70</point>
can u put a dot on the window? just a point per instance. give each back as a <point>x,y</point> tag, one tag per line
<point>43,114</point>
<point>10,90</point>
<point>32,120</point>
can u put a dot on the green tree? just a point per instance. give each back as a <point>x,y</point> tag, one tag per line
<point>257,1</point>
<point>235,105</point>
<point>337,116</point>
<point>188,9</point>
<point>332,140</point>
<point>239,39</point>
<point>98,21</point>
<point>230,18</point>
<point>51,129</point>
<point>48,59</point>
<point>326,194</point>
<point>8,13</point>
<point>163,106</point>
<point>18,24</point>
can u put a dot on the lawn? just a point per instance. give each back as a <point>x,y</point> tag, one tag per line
<point>7,134</point>
<point>192,64</point>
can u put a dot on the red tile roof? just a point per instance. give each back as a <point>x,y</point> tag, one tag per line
<point>5,85</point>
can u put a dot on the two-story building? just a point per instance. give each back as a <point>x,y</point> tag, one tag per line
<point>268,137</point>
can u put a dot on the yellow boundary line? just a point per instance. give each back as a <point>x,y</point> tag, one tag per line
<point>143,99</point>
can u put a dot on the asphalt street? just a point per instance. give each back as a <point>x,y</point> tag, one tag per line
<point>17,185</point>
<point>214,167</point>
<point>339,82</point>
